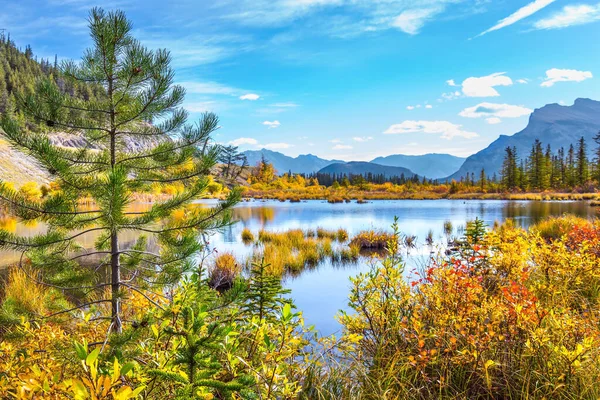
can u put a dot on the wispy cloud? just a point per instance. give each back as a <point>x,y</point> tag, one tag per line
<point>520,14</point>
<point>411,21</point>
<point>272,124</point>
<point>446,130</point>
<point>341,147</point>
<point>565,75</point>
<point>243,141</point>
<point>250,96</point>
<point>577,14</point>
<point>362,139</point>
<point>492,112</point>
<point>351,17</point>
<point>199,106</point>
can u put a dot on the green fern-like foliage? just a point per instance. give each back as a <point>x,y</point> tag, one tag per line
<point>137,87</point>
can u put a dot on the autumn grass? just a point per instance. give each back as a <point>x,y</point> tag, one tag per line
<point>292,251</point>
<point>371,240</point>
<point>247,236</point>
<point>223,272</point>
<point>23,293</point>
<point>388,191</point>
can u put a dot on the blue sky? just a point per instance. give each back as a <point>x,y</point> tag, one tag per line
<point>351,79</point>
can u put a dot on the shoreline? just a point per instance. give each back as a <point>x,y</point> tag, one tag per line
<point>295,197</point>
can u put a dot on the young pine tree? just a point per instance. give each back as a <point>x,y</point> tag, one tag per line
<point>138,87</point>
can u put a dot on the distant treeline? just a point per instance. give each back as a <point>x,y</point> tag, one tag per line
<point>358,179</point>
<point>543,169</point>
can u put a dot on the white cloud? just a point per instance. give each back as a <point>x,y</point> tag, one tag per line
<point>520,14</point>
<point>493,120</point>
<point>484,86</point>
<point>250,96</point>
<point>411,21</point>
<point>577,14</point>
<point>410,107</point>
<point>494,110</point>
<point>428,106</point>
<point>446,130</point>
<point>272,124</point>
<point>362,139</point>
<point>450,96</point>
<point>450,82</point>
<point>522,81</point>
<point>243,141</point>
<point>275,146</point>
<point>341,147</point>
<point>565,75</point>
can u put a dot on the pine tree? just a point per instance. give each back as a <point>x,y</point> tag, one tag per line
<point>138,87</point>
<point>571,170</point>
<point>582,162</point>
<point>482,180</point>
<point>265,295</point>
<point>509,173</point>
<point>596,166</point>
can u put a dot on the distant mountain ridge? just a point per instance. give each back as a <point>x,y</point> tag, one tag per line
<point>364,168</point>
<point>430,165</point>
<point>303,164</point>
<point>553,124</point>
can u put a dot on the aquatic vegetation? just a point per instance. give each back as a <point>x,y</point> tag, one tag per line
<point>247,236</point>
<point>292,251</point>
<point>371,240</point>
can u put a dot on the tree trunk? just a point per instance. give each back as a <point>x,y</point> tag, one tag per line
<point>115,277</point>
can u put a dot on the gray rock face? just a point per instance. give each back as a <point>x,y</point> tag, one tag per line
<point>559,126</point>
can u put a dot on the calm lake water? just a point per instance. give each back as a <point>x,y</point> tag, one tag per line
<point>320,293</point>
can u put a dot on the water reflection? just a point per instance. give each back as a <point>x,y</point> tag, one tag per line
<point>322,291</point>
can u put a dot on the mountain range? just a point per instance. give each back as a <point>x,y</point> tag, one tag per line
<point>553,124</point>
<point>432,166</point>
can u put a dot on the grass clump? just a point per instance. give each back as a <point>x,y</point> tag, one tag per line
<point>247,236</point>
<point>371,240</point>
<point>555,227</point>
<point>292,251</point>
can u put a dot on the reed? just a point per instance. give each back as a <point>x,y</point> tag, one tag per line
<point>247,236</point>
<point>371,240</point>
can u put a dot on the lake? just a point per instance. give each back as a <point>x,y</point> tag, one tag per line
<point>321,292</point>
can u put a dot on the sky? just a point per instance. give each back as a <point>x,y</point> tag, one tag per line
<point>350,79</point>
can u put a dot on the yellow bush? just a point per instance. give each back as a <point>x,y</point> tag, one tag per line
<point>31,191</point>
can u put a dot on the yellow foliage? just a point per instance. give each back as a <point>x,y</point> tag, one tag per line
<point>31,191</point>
